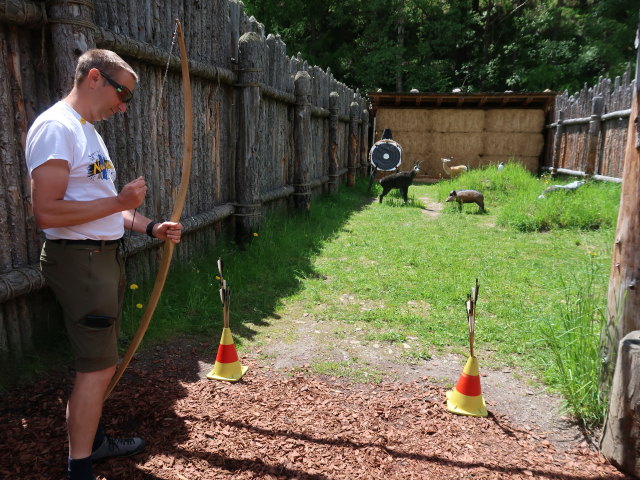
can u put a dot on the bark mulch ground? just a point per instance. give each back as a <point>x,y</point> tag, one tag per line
<point>280,425</point>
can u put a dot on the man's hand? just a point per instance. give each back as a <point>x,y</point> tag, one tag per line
<point>168,231</point>
<point>133,193</point>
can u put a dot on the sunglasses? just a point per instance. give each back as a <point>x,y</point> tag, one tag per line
<point>124,94</point>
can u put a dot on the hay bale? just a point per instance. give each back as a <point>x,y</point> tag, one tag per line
<point>404,120</point>
<point>457,145</point>
<point>514,120</point>
<point>520,144</point>
<point>458,121</point>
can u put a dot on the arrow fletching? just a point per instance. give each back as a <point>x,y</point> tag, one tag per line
<point>220,268</point>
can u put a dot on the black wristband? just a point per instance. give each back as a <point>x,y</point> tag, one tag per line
<point>150,228</point>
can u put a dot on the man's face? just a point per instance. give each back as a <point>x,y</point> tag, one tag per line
<point>109,99</point>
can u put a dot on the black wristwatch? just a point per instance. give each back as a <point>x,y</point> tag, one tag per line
<point>150,228</point>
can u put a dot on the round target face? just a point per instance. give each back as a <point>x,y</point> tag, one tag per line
<point>386,155</point>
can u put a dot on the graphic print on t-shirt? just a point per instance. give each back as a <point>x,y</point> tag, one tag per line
<point>100,167</point>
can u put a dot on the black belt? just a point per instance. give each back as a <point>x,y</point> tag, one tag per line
<point>64,241</point>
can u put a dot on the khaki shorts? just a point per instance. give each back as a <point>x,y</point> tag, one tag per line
<point>88,281</point>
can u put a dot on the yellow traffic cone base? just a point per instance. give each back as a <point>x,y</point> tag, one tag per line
<point>227,366</point>
<point>466,397</point>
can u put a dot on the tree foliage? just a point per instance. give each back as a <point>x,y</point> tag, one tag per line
<point>475,45</point>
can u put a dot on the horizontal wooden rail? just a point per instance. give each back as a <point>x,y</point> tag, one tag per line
<point>127,46</point>
<point>25,280</point>
<point>23,13</point>
<point>577,173</point>
<point>585,120</point>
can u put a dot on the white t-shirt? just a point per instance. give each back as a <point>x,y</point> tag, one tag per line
<point>61,133</point>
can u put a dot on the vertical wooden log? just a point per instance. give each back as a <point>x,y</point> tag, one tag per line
<point>302,141</point>
<point>72,33</point>
<point>353,143</point>
<point>364,142</point>
<point>624,282</point>
<point>594,135</point>
<point>557,143</point>
<point>620,441</point>
<point>334,178</point>
<point>251,56</point>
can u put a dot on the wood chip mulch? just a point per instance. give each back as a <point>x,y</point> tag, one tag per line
<point>275,425</point>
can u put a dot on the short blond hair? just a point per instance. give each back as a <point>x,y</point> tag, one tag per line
<point>104,60</point>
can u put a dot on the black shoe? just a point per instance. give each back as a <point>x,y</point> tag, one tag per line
<point>118,447</point>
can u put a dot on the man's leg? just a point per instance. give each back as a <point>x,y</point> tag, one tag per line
<point>84,410</point>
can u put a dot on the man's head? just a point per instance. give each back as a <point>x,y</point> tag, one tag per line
<point>103,84</point>
<point>106,61</point>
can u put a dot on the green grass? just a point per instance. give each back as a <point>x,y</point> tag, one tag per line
<point>413,272</point>
<point>573,337</point>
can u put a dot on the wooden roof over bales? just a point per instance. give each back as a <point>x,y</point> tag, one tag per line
<point>542,100</point>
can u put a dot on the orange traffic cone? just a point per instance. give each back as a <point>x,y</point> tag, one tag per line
<point>227,366</point>
<point>466,397</point>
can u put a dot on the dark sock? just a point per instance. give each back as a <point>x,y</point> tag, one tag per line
<point>80,469</point>
<point>99,438</point>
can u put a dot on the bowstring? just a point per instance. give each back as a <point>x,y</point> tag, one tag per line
<point>127,245</point>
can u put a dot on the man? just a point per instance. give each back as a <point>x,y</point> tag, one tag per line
<point>83,216</point>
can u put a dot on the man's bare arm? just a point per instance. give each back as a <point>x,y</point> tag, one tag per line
<point>48,185</point>
<point>162,230</point>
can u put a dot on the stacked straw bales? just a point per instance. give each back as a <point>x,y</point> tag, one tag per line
<point>473,137</point>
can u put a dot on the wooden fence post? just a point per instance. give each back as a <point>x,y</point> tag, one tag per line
<point>557,142</point>
<point>364,142</point>
<point>301,135</point>
<point>594,135</point>
<point>72,34</point>
<point>620,441</point>
<point>251,55</point>
<point>353,143</point>
<point>624,283</point>
<point>334,178</point>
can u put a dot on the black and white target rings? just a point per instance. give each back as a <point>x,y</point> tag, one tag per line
<point>386,155</point>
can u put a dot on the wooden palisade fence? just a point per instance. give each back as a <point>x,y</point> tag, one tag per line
<point>268,129</point>
<point>589,133</point>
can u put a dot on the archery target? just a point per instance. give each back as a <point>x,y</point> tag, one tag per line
<point>386,155</point>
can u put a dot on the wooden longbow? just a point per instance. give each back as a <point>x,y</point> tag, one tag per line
<point>167,252</point>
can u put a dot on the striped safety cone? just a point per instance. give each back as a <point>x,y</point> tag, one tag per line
<point>227,366</point>
<point>466,397</point>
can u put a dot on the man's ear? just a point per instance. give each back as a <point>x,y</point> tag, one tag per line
<point>93,76</point>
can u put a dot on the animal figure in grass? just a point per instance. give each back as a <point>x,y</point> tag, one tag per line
<point>568,187</point>
<point>401,180</point>
<point>455,170</point>
<point>466,196</point>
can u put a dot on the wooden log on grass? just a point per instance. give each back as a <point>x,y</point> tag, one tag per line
<point>251,53</point>
<point>624,303</point>
<point>334,164</point>
<point>558,151</point>
<point>364,142</point>
<point>594,135</point>
<point>302,137</point>
<point>624,281</point>
<point>353,143</point>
